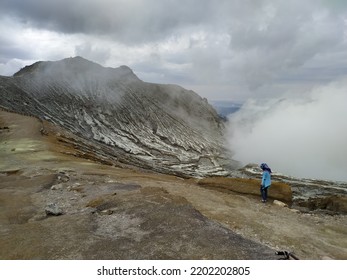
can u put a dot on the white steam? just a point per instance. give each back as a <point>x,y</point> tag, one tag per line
<point>303,138</point>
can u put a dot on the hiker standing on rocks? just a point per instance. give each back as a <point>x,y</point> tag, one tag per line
<point>265,181</point>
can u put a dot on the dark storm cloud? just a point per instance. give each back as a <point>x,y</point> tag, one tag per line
<point>248,44</point>
<point>126,21</point>
<point>279,36</point>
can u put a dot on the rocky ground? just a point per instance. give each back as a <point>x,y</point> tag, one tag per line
<point>57,202</point>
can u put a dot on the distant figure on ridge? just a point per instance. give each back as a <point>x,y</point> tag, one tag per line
<point>265,181</point>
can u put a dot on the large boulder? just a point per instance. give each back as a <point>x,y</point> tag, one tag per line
<point>278,190</point>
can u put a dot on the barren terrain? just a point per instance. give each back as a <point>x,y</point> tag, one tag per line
<point>105,211</point>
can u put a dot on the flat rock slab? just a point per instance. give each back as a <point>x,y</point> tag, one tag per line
<point>153,224</point>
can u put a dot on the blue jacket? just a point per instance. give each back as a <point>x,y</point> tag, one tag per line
<point>266,179</point>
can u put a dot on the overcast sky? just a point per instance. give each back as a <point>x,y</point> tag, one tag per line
<point>285,60</point>
<point>222,49</point>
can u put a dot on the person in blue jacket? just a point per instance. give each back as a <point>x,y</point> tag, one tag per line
<point>265,181</point>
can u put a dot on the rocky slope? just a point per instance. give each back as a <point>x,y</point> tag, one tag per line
<point>160,127</point>
<point>55,205</point>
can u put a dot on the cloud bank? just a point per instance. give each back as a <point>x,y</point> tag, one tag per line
<point>301,137</point>
<point>225,49</point>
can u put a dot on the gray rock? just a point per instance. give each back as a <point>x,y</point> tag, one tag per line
<point>106,212</point>
<point>52,209</point>
<point>295,211</point>
<point>57,187</point>
<point>63,178</point>
<point>279,203</point>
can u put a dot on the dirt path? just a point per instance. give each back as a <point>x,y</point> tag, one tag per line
<point>21,140</point>
<point>148,211</point>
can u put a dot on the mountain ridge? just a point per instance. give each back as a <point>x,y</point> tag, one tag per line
<point>162,127</point>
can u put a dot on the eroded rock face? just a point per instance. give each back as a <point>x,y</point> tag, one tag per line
<point>332,203</point>
<point>162,127</point>
<point>278,190</point>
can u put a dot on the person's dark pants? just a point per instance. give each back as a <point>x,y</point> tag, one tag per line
<point>263,192</point>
